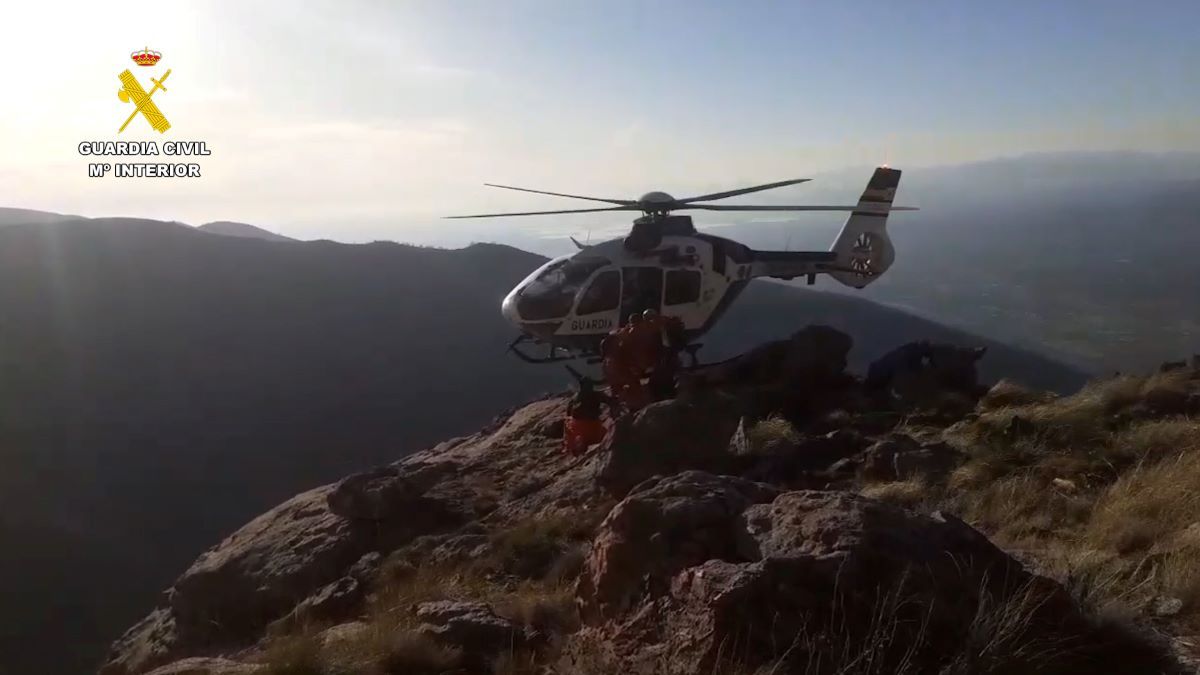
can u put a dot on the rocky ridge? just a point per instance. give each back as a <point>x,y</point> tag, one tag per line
<point>725,529</point>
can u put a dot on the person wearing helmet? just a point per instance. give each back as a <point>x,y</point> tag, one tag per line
<point>583,427</point>
<point>669,340</point>
<point>646,341</point>
<point>623,377</point>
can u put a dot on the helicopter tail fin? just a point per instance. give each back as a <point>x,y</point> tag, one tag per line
<point>864,250</point>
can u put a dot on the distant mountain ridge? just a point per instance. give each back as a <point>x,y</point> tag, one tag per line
<point>232,229</point>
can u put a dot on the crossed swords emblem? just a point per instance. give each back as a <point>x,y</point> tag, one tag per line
<point>132,90</point>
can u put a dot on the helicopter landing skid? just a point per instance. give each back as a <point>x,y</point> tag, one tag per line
<point>552,357</point>
<point>557,354</point>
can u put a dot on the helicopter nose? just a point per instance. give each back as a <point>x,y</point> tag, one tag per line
<point>508,308</point>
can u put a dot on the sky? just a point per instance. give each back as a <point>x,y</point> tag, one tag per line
<point>359,120</point>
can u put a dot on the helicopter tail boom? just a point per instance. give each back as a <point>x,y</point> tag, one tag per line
<point>864,250</point>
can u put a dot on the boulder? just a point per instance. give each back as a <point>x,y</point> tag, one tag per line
<point>878,461</point>
<point>929,462</point>
<point>790,580</point>
<point>300,552</point>
<point>809,461</point>
<point>663,526</point>
<point>900,457</point>
<point>337,601</point>
<point>264,569</point>
<point>367,567</point>
<point>689,432</point>
<point>810,357</point>
<point>473,627</point>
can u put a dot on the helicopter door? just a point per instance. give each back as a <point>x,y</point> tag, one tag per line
<point>596,311</point>
<point>642,289</point>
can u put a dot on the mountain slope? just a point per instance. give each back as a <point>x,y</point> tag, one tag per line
<point>775,503</point>
<point>232,229</point>
<point>158,386</point>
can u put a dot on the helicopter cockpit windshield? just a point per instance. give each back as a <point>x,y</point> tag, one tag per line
<point>551,292</point>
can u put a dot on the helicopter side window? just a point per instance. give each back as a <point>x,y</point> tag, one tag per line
<point>603,295</point>
<point>552,294</point>
<point>683,286</point>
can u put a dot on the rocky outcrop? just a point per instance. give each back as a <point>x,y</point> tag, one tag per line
<point>689,432</point>
<point>900,457</point>
<point>386,492</point>
<point>759,577</point>
<point>813,357</point>
<point>474,628</point>
<point>291,563</point>
<point>663,526</point>
<point>723,545</point>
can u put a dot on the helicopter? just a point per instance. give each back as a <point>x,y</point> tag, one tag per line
<point>570,303</point>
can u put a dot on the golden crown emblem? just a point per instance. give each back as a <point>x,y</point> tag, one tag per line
<point>145,57</point>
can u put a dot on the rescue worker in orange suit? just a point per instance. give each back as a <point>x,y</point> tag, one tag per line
<point>671,341</point>
<point>621,369</point>
<point>583,427</point>
<point>646,341</point>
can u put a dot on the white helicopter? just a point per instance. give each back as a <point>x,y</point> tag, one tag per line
<point>572,302</point>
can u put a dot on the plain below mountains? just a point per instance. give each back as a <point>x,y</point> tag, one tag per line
<point>160,385</point>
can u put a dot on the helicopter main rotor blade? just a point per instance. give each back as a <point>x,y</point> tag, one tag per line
<point>622,202</point>
<point>742,191</point>
<point>738,207</point>
<point>545,213</point>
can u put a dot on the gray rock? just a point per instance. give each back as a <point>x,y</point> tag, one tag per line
<point>473,627</point>
<point>385,492</point>
<point>1165,606</point>
<point>367,567</point>
<point>663,526</point>
<point>689,432</point>
<point>929,462</point>
<point>687,567</point>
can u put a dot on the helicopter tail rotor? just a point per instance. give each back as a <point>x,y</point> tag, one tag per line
<point>864,250</point>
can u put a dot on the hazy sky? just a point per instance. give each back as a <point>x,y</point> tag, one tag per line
<point>360,120</point>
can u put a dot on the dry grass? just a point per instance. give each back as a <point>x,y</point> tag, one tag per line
<point>543,548</point>
<point>409,653</point>
<point>910,494</point>
<point>294,655</point>
<point>1148,504</point>
<point>1102,486</point>
<point>1007,394</point>
<point>388,641</point>
<point>1017,634</point>
<point>768,434</point>
<point>1084,419</point>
